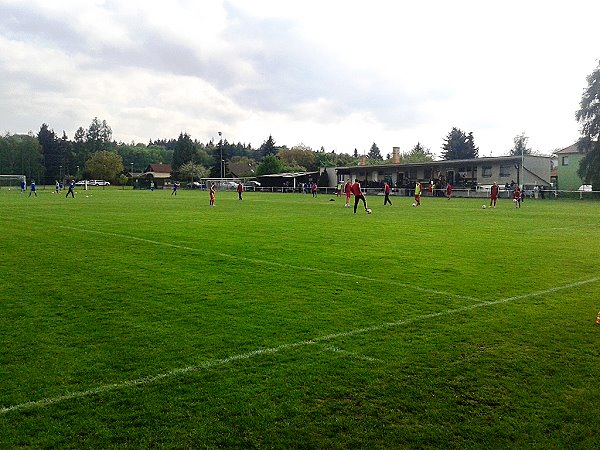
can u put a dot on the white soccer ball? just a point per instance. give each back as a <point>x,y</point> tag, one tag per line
<point>414,204</point>
<point>369,210</point>
<point>483,206</point>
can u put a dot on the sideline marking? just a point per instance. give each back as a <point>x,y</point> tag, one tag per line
<point>275,263</point>
<point>272,350</point>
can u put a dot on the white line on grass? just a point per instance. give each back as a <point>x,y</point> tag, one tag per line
<point>272,350</point>
<point>277,264</point>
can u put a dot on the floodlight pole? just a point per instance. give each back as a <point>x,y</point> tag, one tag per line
<point>221,160</point>
<point>522,170</point>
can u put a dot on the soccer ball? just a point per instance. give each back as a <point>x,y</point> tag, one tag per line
<point>414,204</point>
<point>369,210</point>
<point>483,206</point>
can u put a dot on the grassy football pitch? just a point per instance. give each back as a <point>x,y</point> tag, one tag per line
<point>140,319</point>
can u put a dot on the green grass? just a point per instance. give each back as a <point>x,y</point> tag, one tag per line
<point>136,319</point>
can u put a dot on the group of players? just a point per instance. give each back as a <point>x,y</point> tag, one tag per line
<point>356,190</point>
<point>349,189</point>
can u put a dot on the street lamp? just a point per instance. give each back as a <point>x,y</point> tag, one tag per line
<point>221,146</point>
<point>522,169</point>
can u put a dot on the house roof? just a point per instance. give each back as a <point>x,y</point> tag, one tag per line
<point>159,168</point>
<point>568,150</point>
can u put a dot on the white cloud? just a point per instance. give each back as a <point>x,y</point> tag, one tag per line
<point>338,74</point>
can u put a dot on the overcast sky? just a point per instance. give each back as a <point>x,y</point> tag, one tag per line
<point>338,74</point>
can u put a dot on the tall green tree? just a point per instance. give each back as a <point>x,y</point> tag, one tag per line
<point>298,157</point>
<point>50,151</point>
<point>21,155</point>
<point>417,154</point>
<point>459,145</point>
<point>588,116</point>
<point>374,153</point>
<point>185,151</point>
<point>191,171</point>
<point>267,148</point>
<point>104,165</point>
<point>520,146</point>
<point>98,136</point>
<point>270,164</point>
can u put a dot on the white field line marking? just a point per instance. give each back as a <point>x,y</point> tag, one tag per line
<point>277,264</point>
<point>272,350</point>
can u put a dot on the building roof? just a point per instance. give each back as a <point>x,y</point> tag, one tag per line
<point>446,162</point>
<point>568,150</point>
<point>159,168</point>
<point>288,174</point>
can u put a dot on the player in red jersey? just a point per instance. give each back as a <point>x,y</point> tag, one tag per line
<point>213,190</point>
<point>449,191</point>
<point>386,191</point>
<point>240,189</point>
<point>517,197</point>
<point>348,191</point>
<point>358,195</point>
<point>494,194</point>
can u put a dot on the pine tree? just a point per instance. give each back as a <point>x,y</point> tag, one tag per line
<point>374,153</point>
<point>589,118</point>
<point>458,145</point>
<point>184,151</point>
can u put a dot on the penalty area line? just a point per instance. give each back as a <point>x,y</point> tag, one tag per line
<point>273,350</point>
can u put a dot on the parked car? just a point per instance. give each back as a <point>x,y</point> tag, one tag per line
<point>98,183</point>
<point>80,183</point>
<point>229,184</point>
<point>196,185</point>
<point>252,184</point>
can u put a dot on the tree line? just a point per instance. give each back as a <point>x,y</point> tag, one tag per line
<point>92,153</point>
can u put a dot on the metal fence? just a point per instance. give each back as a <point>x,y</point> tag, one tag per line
<point>541,194</point>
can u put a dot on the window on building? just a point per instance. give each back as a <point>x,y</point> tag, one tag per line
<point>486,171</point>
<point>565,160</point>
<point>505,171</point>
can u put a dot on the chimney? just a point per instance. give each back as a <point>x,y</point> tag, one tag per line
<point>362,161</point>
<point>396,155</point>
